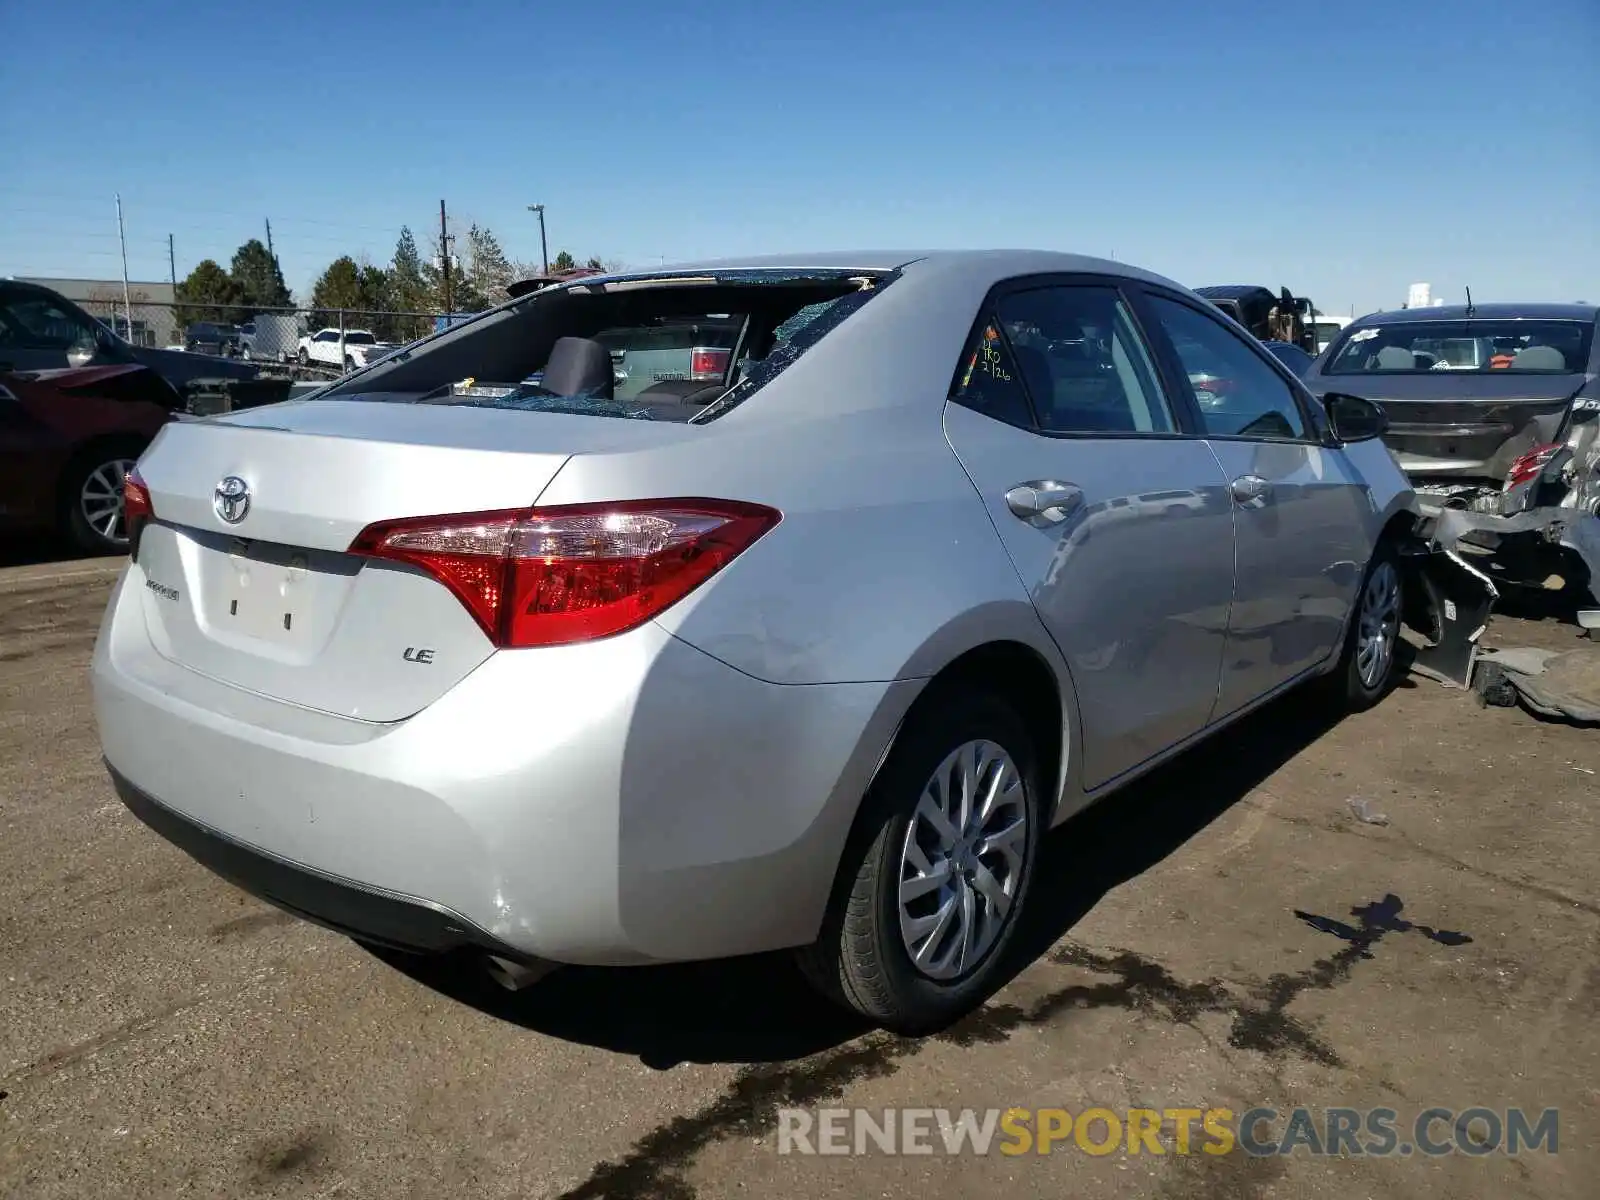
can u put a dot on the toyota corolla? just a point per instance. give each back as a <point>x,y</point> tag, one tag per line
<point>471,652</point>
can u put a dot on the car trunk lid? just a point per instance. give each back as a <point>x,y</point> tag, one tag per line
<point>274,603</point>
<point>1473,427</point>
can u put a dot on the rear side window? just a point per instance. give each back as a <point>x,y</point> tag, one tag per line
<point>988,382</point>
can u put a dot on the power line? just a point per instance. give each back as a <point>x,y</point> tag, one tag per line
<point>30,193</point>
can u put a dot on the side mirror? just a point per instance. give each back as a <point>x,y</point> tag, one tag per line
<point>1354,419</point>
<point>81,354</point>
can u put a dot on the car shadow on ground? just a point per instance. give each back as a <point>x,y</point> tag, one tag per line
<point>33,551</point>
<point>760,1010</point>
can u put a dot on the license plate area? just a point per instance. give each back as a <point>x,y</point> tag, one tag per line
<point>271,598</point>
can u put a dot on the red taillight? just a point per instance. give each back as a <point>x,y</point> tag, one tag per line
<point>136,508</point>
<point>547,576</point>
<point>708,362</point>
<point>1529,465</point>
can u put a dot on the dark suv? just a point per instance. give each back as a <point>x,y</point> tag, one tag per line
<point>206,337</point>
<point>41,330</point>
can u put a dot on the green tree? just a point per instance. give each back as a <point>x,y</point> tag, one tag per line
<point>258,276</point>
<point>376,290</point>
<point>205,295</point>
<point>463,297</point>
<point>595,264</point>
<point>339,287</point>
<point>562,262</point>
<point>464,294</point>
<point>409,288</point>
<point>487,268</point>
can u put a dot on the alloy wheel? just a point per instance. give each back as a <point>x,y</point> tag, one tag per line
<point>962,860</point>
<point>1379,624</point>
<point>100,499</point>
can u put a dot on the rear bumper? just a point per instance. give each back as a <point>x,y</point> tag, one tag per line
<point>626,801</point>
<point>343,905</point>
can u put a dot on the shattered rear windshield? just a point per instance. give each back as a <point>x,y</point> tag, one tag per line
<point>674,349</point>
<point>1504,346</point>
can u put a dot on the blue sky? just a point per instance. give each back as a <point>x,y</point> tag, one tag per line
<point>1345,150</point>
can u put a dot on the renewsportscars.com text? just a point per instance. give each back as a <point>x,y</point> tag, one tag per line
<point>1333,1131</point>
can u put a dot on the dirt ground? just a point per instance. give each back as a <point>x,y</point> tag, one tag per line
<point>1227,934</point>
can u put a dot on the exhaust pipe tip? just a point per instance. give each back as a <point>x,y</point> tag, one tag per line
<point>515,976</point>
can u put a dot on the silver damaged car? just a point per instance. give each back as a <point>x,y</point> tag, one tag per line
<point>803,641</point>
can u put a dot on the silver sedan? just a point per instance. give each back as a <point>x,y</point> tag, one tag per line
<point>800,636</point>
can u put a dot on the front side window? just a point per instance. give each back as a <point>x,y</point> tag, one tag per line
<point>1083,361</point>
<point>1415,347</point>
<point>1238,394</point>
<point>38,323</point>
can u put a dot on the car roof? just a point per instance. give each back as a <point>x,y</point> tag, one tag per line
<point>974,265</point>
<point>1234,291</point>
<point>1482,312</point>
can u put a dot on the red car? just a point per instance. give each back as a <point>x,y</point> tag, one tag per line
<point>67,439</point>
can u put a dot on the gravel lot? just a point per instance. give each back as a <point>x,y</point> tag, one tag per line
<point>1226,934</point>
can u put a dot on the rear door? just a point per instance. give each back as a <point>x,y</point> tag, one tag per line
<point>1300,510</point>
<point>1115,517</point>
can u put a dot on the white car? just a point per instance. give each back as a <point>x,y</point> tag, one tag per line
<point>349,348</point>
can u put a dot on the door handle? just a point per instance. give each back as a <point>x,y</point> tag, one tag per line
<point>1248,488</point>
<point>1044,502</point>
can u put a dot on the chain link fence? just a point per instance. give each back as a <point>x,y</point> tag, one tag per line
<point>297,343</point>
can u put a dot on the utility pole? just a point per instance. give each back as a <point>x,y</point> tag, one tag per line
<point>544,247</point>
<point>269,237</point>
<point>172,266</point>
<point>127,301</point>
<point>444,258</point>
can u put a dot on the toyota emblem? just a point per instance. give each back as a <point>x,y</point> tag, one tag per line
<point>231,499</point>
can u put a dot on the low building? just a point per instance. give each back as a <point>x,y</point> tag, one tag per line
<point>154,323</point>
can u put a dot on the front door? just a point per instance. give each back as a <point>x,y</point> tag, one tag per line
<point>1118,524</point>
<point>1296,502</point>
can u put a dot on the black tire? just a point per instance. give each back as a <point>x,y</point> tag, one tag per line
<point>860,960</point>
<point>1346,687</point>
<point>82,522</point>
<point>349,364</point>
